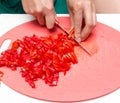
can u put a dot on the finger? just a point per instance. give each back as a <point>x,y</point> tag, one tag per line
<point>50,19</point>
<point>85,33</point>
<point>94,15</point>
<point>71,18</point>
<point>70,9</point>
<point>78,23</point>
<point>72,34</point>
<point>90,21</point>
<point>41,19</point>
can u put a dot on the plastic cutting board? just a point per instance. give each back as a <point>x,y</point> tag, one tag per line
<point>94,76</point>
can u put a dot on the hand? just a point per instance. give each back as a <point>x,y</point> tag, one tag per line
<point>78,10</point>
<point>43,10</point>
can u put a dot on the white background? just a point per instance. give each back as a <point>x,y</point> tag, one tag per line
<point>9,21</point>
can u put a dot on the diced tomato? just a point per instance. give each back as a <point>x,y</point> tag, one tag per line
<point>40,58</point>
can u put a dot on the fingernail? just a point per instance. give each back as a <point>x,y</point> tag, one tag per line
<point>78,40</point>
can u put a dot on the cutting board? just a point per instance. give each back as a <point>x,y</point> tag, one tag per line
<point>94,76</point>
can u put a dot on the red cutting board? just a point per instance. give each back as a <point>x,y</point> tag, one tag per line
<point>94,76</point>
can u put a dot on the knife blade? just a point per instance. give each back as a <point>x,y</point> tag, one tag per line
<point>64,30</point>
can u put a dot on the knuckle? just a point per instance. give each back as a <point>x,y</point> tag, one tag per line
<point>91,24</point>
<point>78,6</point>
<point>38,10</point>
<point>88,3</point>
<point>50,9</point>
<point>29,11</point>
<point>33,10</point>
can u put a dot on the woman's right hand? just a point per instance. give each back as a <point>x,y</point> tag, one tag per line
<point>43,10</point>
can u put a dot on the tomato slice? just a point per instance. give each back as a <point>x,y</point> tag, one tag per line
<point>40,58</point>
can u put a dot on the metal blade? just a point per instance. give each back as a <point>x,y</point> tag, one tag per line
<point>61,27</point>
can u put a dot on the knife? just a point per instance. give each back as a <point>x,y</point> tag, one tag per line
<point>69,33</point>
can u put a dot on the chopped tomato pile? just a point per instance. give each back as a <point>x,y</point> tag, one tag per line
<point>40,58</point>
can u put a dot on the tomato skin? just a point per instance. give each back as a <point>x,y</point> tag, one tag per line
<point>40,58</point>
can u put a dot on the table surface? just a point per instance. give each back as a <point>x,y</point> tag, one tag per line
<point>9,21</point>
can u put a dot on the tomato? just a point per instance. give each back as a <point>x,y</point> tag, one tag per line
<point>40,58</point>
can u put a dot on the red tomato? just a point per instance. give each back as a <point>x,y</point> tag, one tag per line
<point>40,58</point>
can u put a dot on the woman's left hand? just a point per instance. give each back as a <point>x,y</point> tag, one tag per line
<point>78,10</point>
